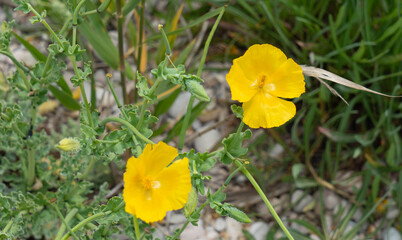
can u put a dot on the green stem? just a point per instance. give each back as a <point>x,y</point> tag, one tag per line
<point>75,22</point>
<point>128,125</point>
<point>65,224</point>
<point>20,66</point>
<point>47,64</point>
<point>86,221</point>
<point>68,218</point>
<point>89,225</point>
<point>264,198</point>
<point>115,96</point>
<point>122,67</point>
<point>83,93</point>
<point>89,168</point>
<point>8,226</point>
<point>30,177</point>
<point>139,53</point>
<point>136,227</point>
<point>145,103</point>
<point>43,21</point>
<point>200,67</point>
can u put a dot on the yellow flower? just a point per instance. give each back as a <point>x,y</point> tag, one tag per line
<point>259,78</point>
<point>69,145</point>
<point>153,185</point>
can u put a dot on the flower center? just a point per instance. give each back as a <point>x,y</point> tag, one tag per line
<point>261,80</point>
<point>149,184</point>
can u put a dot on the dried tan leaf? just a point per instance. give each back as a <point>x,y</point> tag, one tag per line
<point>323,74</point>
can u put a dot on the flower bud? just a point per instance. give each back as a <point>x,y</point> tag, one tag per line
<point>191,203</point>
<point>197,90</point>
<point>69,145</point>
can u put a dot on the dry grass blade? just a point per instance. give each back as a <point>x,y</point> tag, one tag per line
<point>323,74</point>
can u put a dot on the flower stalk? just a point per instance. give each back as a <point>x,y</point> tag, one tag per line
<point>200,67</point>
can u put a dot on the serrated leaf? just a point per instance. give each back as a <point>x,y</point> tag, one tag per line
<point>233,145</point>
<point>236,213</point>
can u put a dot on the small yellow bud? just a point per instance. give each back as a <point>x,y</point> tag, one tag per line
<point>160,26</point>
<point>69,145</point>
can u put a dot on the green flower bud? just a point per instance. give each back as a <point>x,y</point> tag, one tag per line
<point>69,145</point>
<point>191,203</point>
<point>196,89</point>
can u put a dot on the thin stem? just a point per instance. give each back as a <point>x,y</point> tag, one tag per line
<point>165,40</point>
<point>75,22</point>
<point>139,43</point>
<point>200,67</point>
<point>68,218</point>
<point>8,226</point>
<point>65,224</point>
<point>86,221</point>
<point>89,168</point>
<point>136,227</point>
<point>43,21</point>
<point>264,198</point>
<point>129,126</point>
<point>146,102</point>
<point>122,67</point>
<point>30,177</point>
<point>108,76</point>
<point>83,93</point>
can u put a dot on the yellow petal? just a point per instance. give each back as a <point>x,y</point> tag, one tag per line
<point>156,157</point>
<point>287,81</point>
<point>240,85</point>
<point>267,111</point>
<point>260,58</point>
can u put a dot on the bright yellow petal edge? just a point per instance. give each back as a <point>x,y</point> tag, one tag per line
<point>258,78</point>
<point>149,194</point>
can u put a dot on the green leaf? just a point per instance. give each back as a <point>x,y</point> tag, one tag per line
<point>233,145</point>
<point>67,100</point>
<point>237,110</point>
<point>35,52</point>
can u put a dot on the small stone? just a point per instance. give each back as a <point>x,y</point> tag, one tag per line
<point>259,230</point>
<point>193,232</point>
<point>177,218</point>
<point>330,200</point>
<point>358,215</point>
<point>234,229</point>
<point>349,226</point>
<point>392,212</point>
<point>24,56</point>
<point>314,237</point>
<point>211,233</point>
<point>276,151</point>
<point>391,234</point>
<point>220,224</point>
<point>179,106</point>
<point>207,140</point>
<point>302,201</point>
<point>299,228</point>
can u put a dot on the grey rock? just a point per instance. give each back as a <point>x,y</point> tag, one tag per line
<point>330,200</point>
<point>211,233</point>
<point>179,106</point>
<point>349,226</point>
<point>259,230</point>
<point>207,140</point>
<point>177,218</point>
<point>220,224</point>
<point>302,202</point>
<point>24,56</point>
<point>391,234</point>
<point>234,229</point>
<point>194,232</point>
